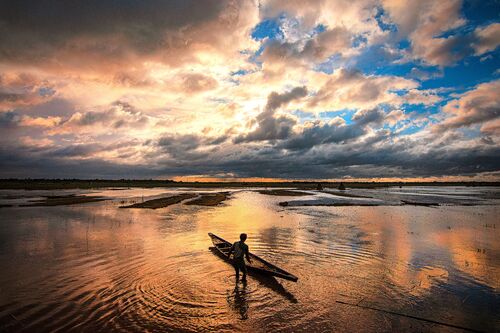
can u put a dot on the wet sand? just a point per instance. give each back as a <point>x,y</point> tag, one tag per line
<point>95,267</point>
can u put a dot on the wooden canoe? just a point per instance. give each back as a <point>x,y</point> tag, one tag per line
<point>258,264</point>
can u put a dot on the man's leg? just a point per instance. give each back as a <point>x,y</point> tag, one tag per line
<point>237,269</point>
<point>244,270</point>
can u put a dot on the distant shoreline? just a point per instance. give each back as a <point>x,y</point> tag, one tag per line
<point>56,184</point>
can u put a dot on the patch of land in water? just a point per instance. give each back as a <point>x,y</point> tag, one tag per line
<point>62,200</point>
<point>209,199</point>
<point>417,203</point>
<point>162,202</point>
<point>285,193</point>
<point>54,184</point>
<point>336,204</point>
<point>349,195</point>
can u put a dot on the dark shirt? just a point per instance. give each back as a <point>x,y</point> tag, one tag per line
<point>239,249</point>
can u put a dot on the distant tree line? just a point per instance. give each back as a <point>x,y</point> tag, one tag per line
<point>57,183</point>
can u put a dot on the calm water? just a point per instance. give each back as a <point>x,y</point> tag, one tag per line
<point>95,267</point>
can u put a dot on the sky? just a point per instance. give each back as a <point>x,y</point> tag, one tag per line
<point>233,90</point>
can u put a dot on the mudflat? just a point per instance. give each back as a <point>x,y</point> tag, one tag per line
<point>284,193</point>
<point>209,199</point>
<point>63,200</point>
<point>162,202</point>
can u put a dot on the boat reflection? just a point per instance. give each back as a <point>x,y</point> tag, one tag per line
<point>266,281</point>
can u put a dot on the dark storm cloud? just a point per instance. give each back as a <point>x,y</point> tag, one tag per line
<point>275,100</point>
<point>78,150</point>
<point>351,159</point>
<point>388,161</point>
<point>180,142</point>
<point>35,31</point>
<point>184,146</point>
<point>118,115</point>
<point>334,132</point>
<point>23,164</point>
<point>271,127</point>
<point>9,119</point>
<point>374,156</point>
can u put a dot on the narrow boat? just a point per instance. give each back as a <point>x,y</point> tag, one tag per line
<point>258,264</point>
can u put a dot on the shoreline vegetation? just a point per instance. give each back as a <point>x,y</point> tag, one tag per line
<point>60,184</point>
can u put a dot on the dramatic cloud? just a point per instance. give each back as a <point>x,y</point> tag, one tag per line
<point>478,106</point>
<point>97,33</point>
<point>488,38</point>
<point>270,127</point>
<point>314,50</point>
<point>335,131</point>
<point>119,115</point>
<point>22,89</point>
<point>243,88</point>
<point>426,24</point>
<point>352,89</point>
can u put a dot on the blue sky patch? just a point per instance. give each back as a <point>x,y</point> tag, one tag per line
<point>270,28</point>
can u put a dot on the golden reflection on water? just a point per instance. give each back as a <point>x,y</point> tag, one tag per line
<point>100,267</point>
<point>472,255</point>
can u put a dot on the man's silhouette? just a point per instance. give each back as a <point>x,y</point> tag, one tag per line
<point>240,250</point>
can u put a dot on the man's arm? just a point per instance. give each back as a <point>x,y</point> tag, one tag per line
<point>230,251</point>
<point>247,254</point>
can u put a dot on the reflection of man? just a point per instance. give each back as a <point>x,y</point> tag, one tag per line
<point>240,300</point>
<point>240,250</point>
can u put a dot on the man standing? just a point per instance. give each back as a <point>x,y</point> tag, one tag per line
<point>240,250</point>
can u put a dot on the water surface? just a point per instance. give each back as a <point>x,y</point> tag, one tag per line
<point>95,267</point>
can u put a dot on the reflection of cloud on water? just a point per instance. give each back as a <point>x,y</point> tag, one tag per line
<point>427,277</point>
<point>154,267</point>
<point>470,253</point>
